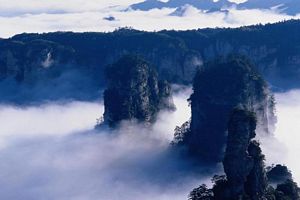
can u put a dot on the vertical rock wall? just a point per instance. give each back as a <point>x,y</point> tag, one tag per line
<point>134,92</point>
<point>221,86</point>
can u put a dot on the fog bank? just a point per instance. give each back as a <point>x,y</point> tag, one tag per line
<point>52,152</point>
<point>288,129</point>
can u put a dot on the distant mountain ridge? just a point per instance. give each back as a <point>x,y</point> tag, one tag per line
<point>291,7</point>
<point>33,65</point>
<point>200,4</point>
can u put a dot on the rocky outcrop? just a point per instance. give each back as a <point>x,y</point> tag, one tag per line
<point>219,87</point>
<point>256,184</point>
<point>25,61</point>
<point>134,92</point>
<point>243,164</point>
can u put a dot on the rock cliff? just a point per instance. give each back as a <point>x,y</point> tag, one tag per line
<point>219,87</point>
<point>246,177</point>
<point>134,92</point>
<point>244,162</point>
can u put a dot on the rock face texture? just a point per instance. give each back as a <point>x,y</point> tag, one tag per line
<point>256,184</point>
<point>134,92</point>
<point>244,162</point>
<point>221,86</point>
<point>244,167</point>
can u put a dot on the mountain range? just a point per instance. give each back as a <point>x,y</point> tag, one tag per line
<point>290,7</point>
<point>33,65</point>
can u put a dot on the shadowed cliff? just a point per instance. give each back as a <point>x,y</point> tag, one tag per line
<point>245,174</point>
<point>134,92</point>
<point>219,87</point>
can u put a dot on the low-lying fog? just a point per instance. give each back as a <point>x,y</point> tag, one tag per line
<point>288,130</point>
<point>51,152</point>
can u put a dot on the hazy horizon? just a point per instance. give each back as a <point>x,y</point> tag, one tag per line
<point>32,16</point>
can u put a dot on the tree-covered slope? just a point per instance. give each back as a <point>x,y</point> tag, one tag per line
<point>26,60</point>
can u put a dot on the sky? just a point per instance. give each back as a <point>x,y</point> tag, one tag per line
<point>81,15</point>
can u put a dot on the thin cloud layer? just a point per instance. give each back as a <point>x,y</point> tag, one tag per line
<point>13,7</point>
<point>81,16</point>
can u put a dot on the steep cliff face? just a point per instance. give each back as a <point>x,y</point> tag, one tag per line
<point>246,177</point>
<point>24,61</point>
<point>243,162</point>
<point>174,60</point>
<point>134,92</point>
<point>76,62</point>
<point>42,70</point>
<point>219,87</point>
<point>268,58</point>
<point>256,184</point>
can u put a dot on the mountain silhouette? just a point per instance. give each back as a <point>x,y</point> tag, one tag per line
<point>290,7</point>
<point>200,4</point>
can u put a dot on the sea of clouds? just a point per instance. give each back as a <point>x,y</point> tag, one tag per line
<point>51,151</point>
<point>81,16</point>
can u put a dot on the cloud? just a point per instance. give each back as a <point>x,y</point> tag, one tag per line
<point>48,119</point>
<point>288,128</point>
<point>284,148</point>
<point>81,16</point>
<point>52,152</point>
<point>13,7</point>
<point>238,1</point>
